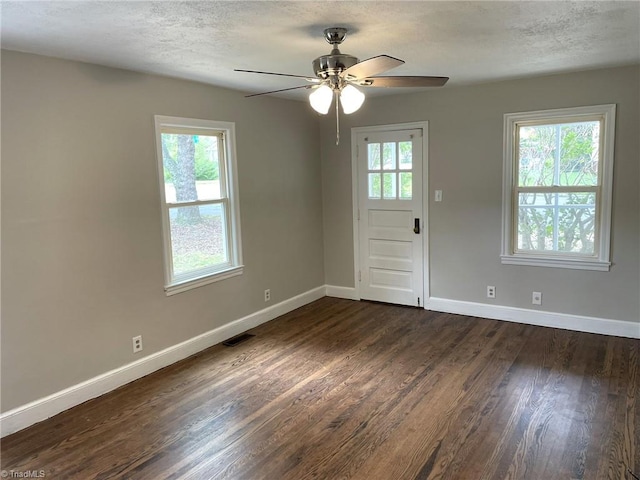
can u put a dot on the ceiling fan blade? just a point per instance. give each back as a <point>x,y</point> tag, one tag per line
<point>276,91</point>
<point>371,66</point>
<point>310,79</point>
<point>402,81</point>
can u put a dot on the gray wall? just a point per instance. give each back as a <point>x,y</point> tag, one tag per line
<point>465,161</point>
<point>81,226</point>
<point>81,231</point>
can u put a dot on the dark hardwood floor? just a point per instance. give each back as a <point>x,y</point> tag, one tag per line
<point>342,389</point>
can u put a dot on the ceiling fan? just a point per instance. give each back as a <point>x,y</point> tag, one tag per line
<point>339,74</point>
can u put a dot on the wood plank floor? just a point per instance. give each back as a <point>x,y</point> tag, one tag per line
<point>341,389</point>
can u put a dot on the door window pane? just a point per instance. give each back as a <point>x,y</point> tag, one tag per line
<point>373,152</point>
<point>374,185</point>
<point>406,155</point>
<point>406,186</point>
<point>389,185</point>
<point>389,156</point>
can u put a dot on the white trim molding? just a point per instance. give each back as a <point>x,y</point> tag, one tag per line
<point>38,410</point>
<point>348,293</point>
<point>355,131</point>
<point>227,200</point>
<point>579,323</point>
<point>561,262</point>
<point>602,189</point>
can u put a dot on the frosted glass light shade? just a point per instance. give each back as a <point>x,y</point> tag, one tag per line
<point>321,98</point>
<point>351,99</point>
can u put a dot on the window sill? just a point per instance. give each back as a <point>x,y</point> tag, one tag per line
<point>576,264</point>
<point>201,281</point>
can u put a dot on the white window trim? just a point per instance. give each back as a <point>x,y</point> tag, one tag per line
<point>174,284</point>
<point>599,261</point>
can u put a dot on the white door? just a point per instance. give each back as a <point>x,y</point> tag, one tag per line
<point>390,216</point>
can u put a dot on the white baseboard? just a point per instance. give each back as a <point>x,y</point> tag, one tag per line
<point>36,411</point>
<point>565,321</point>
<point>342,292</point>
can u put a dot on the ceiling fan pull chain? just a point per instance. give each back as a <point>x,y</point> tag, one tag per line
<point>337,95</point>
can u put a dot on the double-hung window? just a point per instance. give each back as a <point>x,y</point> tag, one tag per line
<point>199,200</point>
<point>557,187</point>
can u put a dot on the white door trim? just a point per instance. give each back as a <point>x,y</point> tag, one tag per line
<point>355,131</point>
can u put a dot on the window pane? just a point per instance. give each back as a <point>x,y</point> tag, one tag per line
<point>389,185</point>
<point>406,185</point>
<point>406,155</point>
<point>536,153</point>
<point>559,154</point>
<point>535,228</point>
<point>374,156</point>
<point>389,156</point>
<point>374,185</point>
<point>198,237</point>
<point>576,230</point>
<point>191,167</point>
<point>580,147</point>
<point>557,222</point>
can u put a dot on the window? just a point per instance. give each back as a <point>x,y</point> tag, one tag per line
<point>389,170</point>
<point>557,187</point>
<point>199,194</point>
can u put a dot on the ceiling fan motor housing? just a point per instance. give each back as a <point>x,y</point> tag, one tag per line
<point>333,64</point>
<point>339,70</point>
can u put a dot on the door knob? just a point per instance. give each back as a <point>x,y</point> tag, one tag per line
<point>416,226</point>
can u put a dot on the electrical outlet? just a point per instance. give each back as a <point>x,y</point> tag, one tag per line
<point>536,298</point>
<point>491,291</point>
<point>267,295</point>
<point>137,344</point>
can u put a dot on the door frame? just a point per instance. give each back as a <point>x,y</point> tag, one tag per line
<point>355,131</point>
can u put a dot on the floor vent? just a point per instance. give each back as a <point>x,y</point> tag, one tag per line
<point>232,342</point>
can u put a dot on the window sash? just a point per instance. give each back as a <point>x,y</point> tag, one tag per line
<point>556,208</point>
<point>558,121</point>
<point>222,157</point>
<point>226,229</point>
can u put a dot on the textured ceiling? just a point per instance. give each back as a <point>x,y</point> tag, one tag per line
<point>470,42</point>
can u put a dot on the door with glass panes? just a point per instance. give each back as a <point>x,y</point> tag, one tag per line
<point>390,216</point>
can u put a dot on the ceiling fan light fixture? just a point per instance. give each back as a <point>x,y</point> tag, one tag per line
<point>321,99</point>
<point>351,99</point>
<point>336,74</point>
